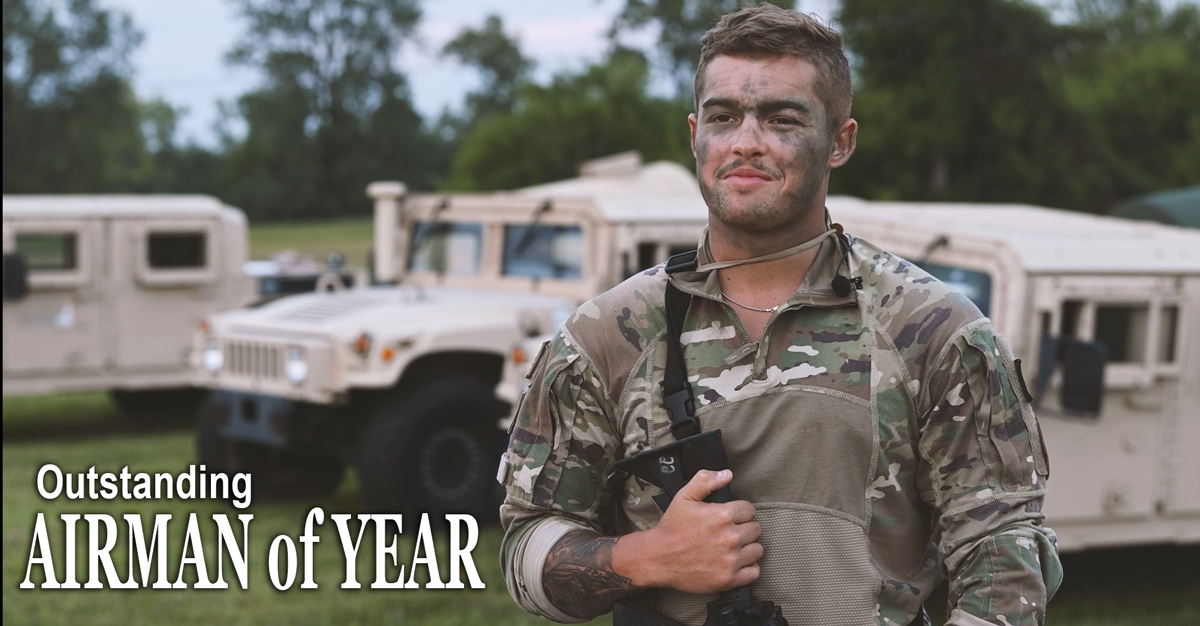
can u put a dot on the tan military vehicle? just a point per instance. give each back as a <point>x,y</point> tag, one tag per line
<point>398,379</point>
<point>105,292</point>
<point>1104,315</point>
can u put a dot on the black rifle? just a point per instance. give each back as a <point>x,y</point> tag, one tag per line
<point>671,466</point>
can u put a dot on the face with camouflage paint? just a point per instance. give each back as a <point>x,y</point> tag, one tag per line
<point>763,143</point>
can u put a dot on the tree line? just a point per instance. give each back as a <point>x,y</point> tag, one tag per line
<point>1075,105</point>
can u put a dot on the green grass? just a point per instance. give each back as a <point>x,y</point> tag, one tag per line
<point>1132,587</point>
<point>261,603</point>
<point>352,237</point>
<point>67,408</point>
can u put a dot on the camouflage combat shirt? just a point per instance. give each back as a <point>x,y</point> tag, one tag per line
<point>884,437</point>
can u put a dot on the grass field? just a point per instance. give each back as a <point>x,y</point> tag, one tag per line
<point>1128,587</point>
<point>351,237</point>
<point>113,445</point>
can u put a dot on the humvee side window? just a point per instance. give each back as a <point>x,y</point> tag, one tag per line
<point>1167,329</point>
<point>543,251</point>
<point>1122,329</point>
<point>174,251</point>
<point>975,285</point>
<point>454,248</point>
<point>645,256</point>
<point>54,252</point>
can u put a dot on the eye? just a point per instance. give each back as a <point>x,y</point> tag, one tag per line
<point>784,121</point>
<point>721,118</point>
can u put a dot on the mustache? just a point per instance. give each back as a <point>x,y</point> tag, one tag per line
<point>725,169</point>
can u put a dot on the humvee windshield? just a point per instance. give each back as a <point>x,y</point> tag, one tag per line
<point>975,285</point>
<point>543,251</point>
<point>453,248</point>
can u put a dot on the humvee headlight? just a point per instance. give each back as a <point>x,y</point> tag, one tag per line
<point>213,357</point>
<point>296,368</point>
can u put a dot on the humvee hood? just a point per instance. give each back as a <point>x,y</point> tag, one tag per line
<point>351,312</point>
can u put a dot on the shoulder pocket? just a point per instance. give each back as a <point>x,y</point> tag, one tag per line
<point>1007,426</point>
<point>537,362</point>
<point>538,435</point>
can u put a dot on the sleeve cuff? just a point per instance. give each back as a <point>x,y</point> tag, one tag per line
<point>525,584</point>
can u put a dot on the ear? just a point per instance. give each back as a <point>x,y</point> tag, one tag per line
<point>692,127</point>
<point>843,143</point>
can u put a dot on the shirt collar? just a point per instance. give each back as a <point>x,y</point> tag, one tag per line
<point>816,289</point>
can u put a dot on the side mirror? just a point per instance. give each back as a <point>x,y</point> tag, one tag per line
<point>1083,375</point>
<point>16,277</point>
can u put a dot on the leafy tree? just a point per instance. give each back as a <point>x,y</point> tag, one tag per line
<point>680,25</point>
<point>600,111</point>
<point>960,101</point>
<point>174,168</point>
<point>71,122</point>
<point>992,101</point>
<point>498,59</point>
<point>1134,82</point>
<point>333,114</point>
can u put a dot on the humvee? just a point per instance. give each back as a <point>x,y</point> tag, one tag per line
<point>105,293</point>
<point>1104,314</point>
<point>398,379</point>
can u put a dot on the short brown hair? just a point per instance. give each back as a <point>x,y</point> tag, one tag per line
<point>767,31</point>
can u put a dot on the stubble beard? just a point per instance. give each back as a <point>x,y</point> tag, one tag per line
<point>764,214</point>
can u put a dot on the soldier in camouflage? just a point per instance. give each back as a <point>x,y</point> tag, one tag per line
<point>882,439</point>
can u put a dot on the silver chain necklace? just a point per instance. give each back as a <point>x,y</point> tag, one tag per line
<point>748,307</point>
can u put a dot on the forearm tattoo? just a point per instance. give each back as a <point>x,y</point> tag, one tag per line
<point>578,577</point>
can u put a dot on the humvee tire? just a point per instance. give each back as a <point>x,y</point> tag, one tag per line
<point>277,473</point>
<point>433,450</point>
<point>170,403</point>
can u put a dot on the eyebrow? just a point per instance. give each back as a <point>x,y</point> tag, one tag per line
<point>769,106</point>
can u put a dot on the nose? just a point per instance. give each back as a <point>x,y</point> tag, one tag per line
<point>747,140</point>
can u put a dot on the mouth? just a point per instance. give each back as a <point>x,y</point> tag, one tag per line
<point>746,177</point>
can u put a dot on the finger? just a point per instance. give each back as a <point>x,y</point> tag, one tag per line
<point>703,484</point>
<point>746,576</point>
<point>749,554</point>
<point>748,532</point>
<point>739,511</point>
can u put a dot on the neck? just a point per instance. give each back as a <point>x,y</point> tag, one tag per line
<point>769,282</point>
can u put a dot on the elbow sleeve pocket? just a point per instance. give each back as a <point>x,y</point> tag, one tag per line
<point>1006,425</point>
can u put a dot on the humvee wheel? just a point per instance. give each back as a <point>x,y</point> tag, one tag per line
<point>166,403</point>
<point>277,473</point>
<point>433,451</point>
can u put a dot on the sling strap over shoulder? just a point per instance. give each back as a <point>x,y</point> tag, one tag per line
<point>677,393</point>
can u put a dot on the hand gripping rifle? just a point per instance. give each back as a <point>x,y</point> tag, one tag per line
<point>671,466</point>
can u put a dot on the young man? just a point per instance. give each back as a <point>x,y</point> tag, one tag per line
<point>880,435</point>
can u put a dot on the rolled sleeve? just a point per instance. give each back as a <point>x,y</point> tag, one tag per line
<point>987,472</point>
<point>561,449</point>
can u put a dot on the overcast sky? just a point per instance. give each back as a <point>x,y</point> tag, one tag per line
<point>181,58</point>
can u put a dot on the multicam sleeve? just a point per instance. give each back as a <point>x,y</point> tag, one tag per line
<point>986,471</point>
<point>560,452</point>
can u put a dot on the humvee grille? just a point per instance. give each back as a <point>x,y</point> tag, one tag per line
<point>254,360</point>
